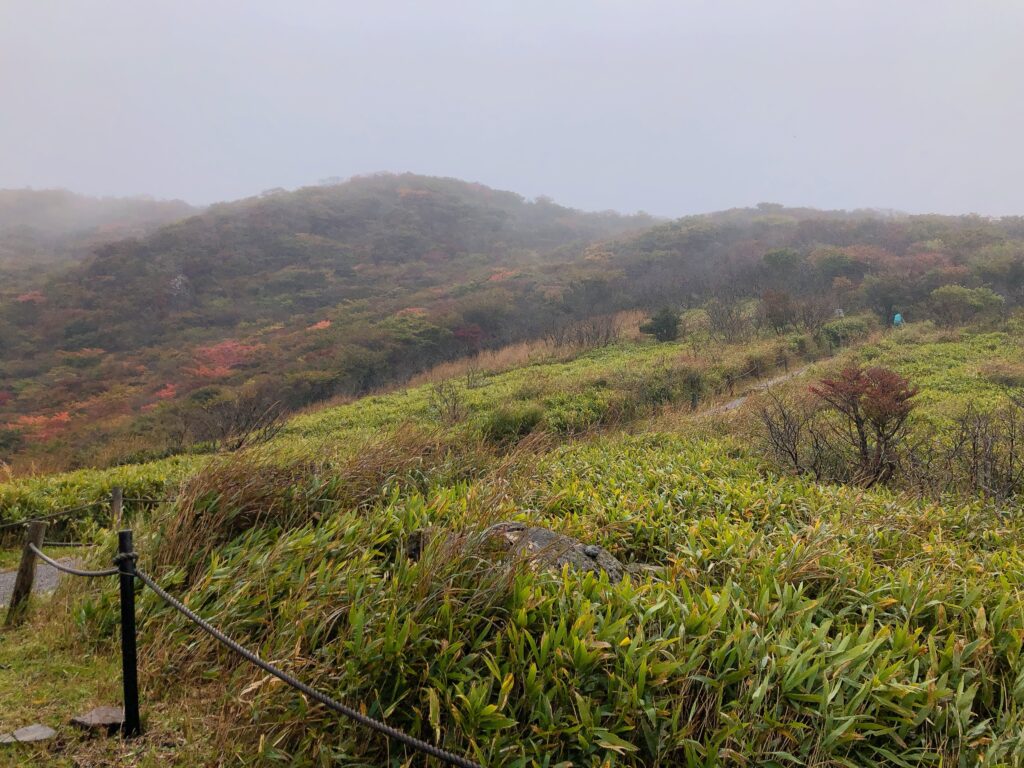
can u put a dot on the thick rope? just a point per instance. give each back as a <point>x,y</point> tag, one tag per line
<point>68,569</point>
<point>327,701</point>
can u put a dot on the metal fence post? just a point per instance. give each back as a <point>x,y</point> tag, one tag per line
<point>129,670</point>
<point>26,573</point>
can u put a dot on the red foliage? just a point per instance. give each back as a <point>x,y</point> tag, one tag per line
<point>209,371</point>
<point>41,428</point>
<point>5,397</point>
<point>32,297</point>
<point>322,325</point>
<point>879,395</point>
<point>217,361</point>
<point>471,335</point>
<point>875,403</point>
<point>168,392</point>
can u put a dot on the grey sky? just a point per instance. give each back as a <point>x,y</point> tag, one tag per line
<point>670,107</point>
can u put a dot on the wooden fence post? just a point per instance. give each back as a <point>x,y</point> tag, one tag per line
<point>26,573</point>
<point>116,507</point>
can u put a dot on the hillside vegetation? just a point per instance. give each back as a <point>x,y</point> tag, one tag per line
<point>318,404</point>
<point>275,303</point>
<point>42,231</point>
<point>287,298</point>
<point>769,618</point>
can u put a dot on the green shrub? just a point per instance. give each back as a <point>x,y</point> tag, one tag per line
<point>508,423</point>
<point>572,413</point>
<point>845,330</point>
<point>663,326</point>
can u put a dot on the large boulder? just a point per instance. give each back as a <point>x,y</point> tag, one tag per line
<point>542,547</point>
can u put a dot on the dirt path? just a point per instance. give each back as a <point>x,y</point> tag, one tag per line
<point>732,405</point>
<point>46,579</point>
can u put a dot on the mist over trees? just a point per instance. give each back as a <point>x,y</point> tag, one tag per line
<point>339,289</point>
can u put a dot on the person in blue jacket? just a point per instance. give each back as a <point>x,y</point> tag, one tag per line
<point>897,320</point>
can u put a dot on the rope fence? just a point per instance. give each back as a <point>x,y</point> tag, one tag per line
<point>115,502</point>
<point>67,568</point>
<point>75,544</point>
<point>53,516</point>
<point>125,567</point>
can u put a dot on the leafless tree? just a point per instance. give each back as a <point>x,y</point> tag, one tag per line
<point>447,401</point>
<point>597,331</point>
<point>728,319</point>
<point>236,421</point>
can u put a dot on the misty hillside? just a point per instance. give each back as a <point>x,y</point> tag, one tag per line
<point>271,257</point>
<point>53,213</point>
<point>42,230</point>
<point>293,298</point>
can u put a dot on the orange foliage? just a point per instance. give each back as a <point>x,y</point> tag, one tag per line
<point>169,391</point>
<point>322,325</point>
<point>32,297</point>
<point>227,354</point>
<point>41,428</point>
<point>209,371</point>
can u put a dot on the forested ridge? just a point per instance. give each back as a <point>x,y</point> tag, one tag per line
<point>291,298</point>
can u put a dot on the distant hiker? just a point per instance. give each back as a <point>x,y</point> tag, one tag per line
<point>897,320</point>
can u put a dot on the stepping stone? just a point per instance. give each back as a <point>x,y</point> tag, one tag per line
<point>28,734</point>
<point>109,719</point>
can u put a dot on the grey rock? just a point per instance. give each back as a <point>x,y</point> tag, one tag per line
<point>545,548</point>
<point>28,734</point>
<point>109,719</point>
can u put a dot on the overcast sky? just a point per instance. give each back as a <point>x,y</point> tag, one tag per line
<point>670,107</point>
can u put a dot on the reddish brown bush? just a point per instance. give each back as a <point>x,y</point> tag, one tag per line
<point>873,405</point>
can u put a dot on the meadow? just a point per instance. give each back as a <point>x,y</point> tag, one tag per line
<point>766,619</point>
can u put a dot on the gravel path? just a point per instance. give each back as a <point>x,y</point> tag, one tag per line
<point>732,405</point>
<point>46,579</point>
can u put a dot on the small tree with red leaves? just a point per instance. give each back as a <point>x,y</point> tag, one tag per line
<point>873,405</point>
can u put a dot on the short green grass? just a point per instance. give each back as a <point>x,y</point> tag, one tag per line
<point>49,673</point>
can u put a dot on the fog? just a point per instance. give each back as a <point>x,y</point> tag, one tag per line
<point>668,107</point>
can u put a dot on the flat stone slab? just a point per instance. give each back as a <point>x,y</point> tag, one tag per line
<point>28,734</point>
<point>109,719</point>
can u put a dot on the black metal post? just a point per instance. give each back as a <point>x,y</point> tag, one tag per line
<point>129,670</point>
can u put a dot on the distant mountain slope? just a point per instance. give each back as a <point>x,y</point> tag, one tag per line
<point>267,258</point>
<point>295,297</point>
<point>325,290</point>
<point>43,230</point>
<point>58,212</point>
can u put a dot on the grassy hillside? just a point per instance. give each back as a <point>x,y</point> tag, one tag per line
<point>768,619</point>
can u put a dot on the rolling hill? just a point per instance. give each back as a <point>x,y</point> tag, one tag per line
<point>44,230</point>
<point>292,298</point>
